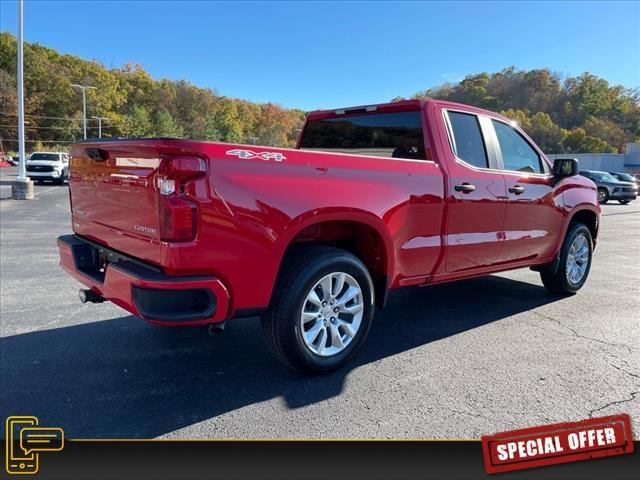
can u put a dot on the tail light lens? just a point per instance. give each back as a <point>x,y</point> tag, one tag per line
<point>178,219</point>
<point>178,215</point>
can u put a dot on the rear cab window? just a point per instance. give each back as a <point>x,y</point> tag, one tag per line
<point>391,135</point>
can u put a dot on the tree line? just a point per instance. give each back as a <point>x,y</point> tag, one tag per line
<point>133,103</point>
<point>563,115</point>
<point>571,115</point>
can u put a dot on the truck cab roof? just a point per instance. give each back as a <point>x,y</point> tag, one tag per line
<point>399,106</point>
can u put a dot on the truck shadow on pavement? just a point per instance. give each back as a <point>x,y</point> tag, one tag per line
<point>122,378</point>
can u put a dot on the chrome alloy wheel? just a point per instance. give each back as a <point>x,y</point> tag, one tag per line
<point>602,195</point>
<point>577,260</point>
<point>332,314</point>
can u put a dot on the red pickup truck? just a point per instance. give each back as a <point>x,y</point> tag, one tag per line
<point>311,239</point>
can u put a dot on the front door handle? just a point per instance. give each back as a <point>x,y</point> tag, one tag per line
<point>517,189</point>
<point>465,188</point>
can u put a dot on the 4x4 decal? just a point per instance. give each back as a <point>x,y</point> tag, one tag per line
<point>248,154</point>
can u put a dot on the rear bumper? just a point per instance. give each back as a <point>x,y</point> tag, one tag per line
<point>142,289</point>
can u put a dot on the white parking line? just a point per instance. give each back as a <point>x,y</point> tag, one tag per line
<point>40,192</point>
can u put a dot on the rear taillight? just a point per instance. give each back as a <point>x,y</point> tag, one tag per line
<point>178,219</point>
<point>178,215</point>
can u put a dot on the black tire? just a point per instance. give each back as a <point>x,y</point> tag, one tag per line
<point>603,196</point>
<point>557,281</point>
<point>282,326</point>
<point>624,202</point>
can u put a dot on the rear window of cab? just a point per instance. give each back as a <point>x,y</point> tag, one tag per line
<point>392,135</point>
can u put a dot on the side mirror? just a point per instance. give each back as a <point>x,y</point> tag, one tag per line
<point>565,167</point>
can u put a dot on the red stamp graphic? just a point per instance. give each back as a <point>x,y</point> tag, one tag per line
<point>557,443</point>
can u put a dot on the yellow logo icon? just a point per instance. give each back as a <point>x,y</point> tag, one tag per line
<point>25,441</point>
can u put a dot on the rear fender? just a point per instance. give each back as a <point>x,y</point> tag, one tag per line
<point>315,217</point>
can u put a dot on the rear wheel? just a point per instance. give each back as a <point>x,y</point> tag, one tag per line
<point>322,311</point>
<point>624,202</point>
<point>603,195</point>
<point>575,262</point>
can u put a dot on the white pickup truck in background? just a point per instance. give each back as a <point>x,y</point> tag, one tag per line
<point>52,166</point>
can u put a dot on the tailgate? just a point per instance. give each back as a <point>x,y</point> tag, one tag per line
<point>114,199</point>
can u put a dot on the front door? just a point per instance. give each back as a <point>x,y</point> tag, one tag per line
<point>534,209</point>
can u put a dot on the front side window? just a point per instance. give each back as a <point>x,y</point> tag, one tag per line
<point>467,139</point>
<point>394,135</point>
<point>517,154</point>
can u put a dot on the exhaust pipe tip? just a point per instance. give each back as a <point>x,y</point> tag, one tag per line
<point>89,296</point>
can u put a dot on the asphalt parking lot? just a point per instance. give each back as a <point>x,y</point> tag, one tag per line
<point>453,361</point>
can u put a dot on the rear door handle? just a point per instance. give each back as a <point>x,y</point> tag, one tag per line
<point>465,188</point>
<point>517,189</point>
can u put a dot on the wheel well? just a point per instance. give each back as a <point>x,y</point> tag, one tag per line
<point>357,238</point>
<point>589,218</point>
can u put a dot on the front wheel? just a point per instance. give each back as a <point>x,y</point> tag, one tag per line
<point>575,262</point>
<point>322,310</point>
<point>624,202</point>
<point>603,196</point>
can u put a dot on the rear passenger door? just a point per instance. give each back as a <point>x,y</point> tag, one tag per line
<point>533,215</point>
<point>477,195</point>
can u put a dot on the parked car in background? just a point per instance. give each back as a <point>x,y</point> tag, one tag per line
<point>627,177</point>
<point>15,160</point>
<point>610,188</point>
<point>374,198</point>
<point>5,160</point>
<point>52,166</point>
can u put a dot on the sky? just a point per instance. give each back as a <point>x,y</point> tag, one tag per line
<point>312,55</point>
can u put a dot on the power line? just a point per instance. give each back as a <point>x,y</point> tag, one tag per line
<point>42,116</point>
<point>41,128</point>
<point>41,141</point>
<point>53,128</point>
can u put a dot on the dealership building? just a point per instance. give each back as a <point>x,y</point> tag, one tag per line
<point>607,162</point>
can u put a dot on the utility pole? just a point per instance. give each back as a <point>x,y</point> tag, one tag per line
<point>22,186</point>
<point>100,125</point>
<point>84,89</point>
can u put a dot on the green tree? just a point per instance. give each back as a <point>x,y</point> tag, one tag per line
<point>547,135</point>
<point>227,121</point>
<point>138,123</point>
<point>520,117</point>
<point>165,125</point>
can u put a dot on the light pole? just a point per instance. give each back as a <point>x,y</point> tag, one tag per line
<point>22,186</point>
<point>100,125</point>
<point>84,89</point>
